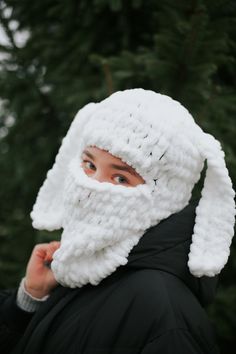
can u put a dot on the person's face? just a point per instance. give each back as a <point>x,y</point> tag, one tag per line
<point>104,167</point>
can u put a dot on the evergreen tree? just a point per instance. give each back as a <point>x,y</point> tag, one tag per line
<point>79,51</point>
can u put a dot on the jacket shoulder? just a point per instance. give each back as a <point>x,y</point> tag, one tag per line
<point>165,297</point>
<point>170,307</point>
<point>180,341</point>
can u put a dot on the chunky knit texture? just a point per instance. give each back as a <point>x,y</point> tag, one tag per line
<point>102,222</point>
<point>159,138</point>
<point>26,301</point>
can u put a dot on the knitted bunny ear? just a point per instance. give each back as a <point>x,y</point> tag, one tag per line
<point>48,211</point>
<point>215,214</point>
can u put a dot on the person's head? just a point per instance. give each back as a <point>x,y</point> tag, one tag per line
<point>156,136</point>
<point>104,167</point>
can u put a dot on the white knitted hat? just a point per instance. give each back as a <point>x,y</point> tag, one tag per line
<point>159,138</point>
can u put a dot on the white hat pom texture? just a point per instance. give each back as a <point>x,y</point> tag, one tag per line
<point>159,138</point>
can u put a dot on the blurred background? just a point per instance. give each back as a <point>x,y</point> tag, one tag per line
<point>56,56</point>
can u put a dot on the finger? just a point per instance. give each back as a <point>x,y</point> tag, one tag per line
<point>43,250</point>
<point>40,250</point>
<point>53,246</point>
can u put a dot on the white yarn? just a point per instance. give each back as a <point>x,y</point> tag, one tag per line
<point>102,223</point>
<point>158,137</point>
<point>215,214</point>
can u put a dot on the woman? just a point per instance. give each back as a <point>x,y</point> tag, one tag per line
<point>137,261</point>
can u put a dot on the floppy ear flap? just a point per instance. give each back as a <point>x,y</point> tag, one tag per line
<point>215,213</point>
<point>47,212</point>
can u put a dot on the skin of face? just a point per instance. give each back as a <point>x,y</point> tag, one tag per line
<point>105,167</point>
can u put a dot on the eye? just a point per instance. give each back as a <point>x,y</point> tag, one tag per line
<point>89,165</point>
<point>122,180</point>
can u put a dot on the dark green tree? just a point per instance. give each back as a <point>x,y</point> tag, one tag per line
<point>81,51</point>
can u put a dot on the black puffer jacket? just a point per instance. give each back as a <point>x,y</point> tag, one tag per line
<point>152,305</point>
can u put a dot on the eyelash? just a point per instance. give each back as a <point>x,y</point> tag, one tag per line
<point>126,181</point>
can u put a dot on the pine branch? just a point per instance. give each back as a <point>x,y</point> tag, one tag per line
<point>30,78</point>
<point>108,77</point>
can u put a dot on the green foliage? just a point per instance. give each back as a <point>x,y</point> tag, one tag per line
<point>80,51</point>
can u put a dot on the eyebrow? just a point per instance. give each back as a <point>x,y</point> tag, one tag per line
<point>117,167</point>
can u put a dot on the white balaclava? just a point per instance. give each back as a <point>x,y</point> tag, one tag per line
<point>102,221</point>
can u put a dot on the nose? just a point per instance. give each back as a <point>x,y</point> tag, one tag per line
<point>99,176</point>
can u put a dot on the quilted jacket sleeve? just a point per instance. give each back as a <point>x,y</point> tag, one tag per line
<point>13,320</point>
<point>178,341</point>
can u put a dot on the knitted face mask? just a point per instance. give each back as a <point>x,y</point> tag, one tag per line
<point>102,223</point>
<point>159,138</point>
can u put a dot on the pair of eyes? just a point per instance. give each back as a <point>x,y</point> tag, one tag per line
<point>86,163</point>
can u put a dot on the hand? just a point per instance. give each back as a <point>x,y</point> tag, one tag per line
<point>39,279</point>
